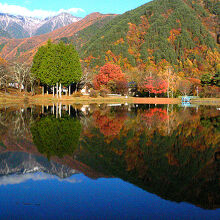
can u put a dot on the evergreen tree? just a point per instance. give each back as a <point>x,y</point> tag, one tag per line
<point>57,63</point>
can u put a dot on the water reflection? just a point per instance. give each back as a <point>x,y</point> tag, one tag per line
<point>170,151</point>
<point>56,136</point>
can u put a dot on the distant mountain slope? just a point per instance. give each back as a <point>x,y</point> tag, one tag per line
<point>4,34</point>
<point>25,49</point>
<point>23,27</point>
<point>174,27</point>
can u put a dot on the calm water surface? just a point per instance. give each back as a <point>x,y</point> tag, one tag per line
<point>110,162</point>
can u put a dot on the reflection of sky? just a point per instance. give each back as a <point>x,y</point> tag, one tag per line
<point>47,197</point>
<point>17,179</point>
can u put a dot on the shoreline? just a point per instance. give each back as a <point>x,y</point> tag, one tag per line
<point>21,99</point>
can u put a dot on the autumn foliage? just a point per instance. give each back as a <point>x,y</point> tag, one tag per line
<point>154,85</point>
<point>2,62</point>
<point>108,73</point>
<point>109,125</point>
<point>154,117</point>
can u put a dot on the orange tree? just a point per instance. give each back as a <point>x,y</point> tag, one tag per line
<point>155,85</point>
<point>109,76</point>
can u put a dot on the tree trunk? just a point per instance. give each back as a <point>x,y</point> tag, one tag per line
<point>60,90</point>
<point>69,90</point>
<point>57,111</point>
<point>57,90</point>
<point>76,87</point>
<point>53,91</point>
<point>60,109</point>
<point>168,120</point>
<point>42,90</point>
<point>6,87</point>
<point>168,83</point>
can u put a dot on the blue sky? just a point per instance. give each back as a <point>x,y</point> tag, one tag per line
<point>81,8</point>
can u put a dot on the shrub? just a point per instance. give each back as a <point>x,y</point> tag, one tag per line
<point>38,90</point>
<point>77,94</point>
<point>104,92</point>
<point>112,86</point>
<point>93,93</point>
<point>122,87</point>
<point>26,100</point>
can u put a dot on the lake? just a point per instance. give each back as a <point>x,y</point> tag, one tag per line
<point>110,162</point>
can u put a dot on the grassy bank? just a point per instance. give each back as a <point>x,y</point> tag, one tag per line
<point>22,98</point>
<point>206,101</point>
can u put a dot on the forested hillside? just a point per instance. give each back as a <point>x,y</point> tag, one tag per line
<point>182,32</point>
<point>84,36</point>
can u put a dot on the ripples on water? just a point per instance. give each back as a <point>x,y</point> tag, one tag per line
<point>110,161</point>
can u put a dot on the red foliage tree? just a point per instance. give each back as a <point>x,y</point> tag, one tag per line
<point>154,85</point>
<point>109,72</point>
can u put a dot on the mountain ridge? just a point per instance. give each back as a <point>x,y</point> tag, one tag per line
<point>22,27</point>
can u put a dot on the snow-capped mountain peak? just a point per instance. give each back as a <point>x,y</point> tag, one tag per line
<point>56,22</point>
<point>21,26</point>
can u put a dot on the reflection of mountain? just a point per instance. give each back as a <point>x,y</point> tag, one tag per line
<point>22,163</point>
<point>21,178</point>
<point>16,138</point>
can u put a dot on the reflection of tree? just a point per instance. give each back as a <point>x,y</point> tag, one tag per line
<point>170,165</point>
<point>56,137</point>
<point>154,117</point>
<point>17,123</point>
<point>109,124</point>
